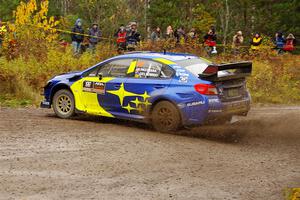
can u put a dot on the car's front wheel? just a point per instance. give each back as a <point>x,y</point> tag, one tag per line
<point>165,117</point>
<point>63,104</point>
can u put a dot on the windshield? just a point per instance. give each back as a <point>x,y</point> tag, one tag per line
<point>196,65</point>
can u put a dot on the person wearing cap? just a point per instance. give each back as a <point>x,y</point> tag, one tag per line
<point>237,41</point>
<point>95,36</point>
<point>256,42</point>
<point>210,41</point>
<point>121,38</point>
<point>133,37</point>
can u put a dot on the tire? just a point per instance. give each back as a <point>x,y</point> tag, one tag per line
<point>165,117</point>
<point>64,104</point>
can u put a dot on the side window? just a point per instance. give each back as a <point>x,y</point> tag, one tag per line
<point>117,68</point>
<point>151,69</point>
<point>92,72</point>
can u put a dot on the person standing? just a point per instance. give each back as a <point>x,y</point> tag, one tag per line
<point>290,43</point>
<point>192,35</point>
<point>279,42</point>
<point>133,37</point>
<point>155,35</point>
<point>77,36</point>
<point>169,33</point>
<point>121,38</point>
<point>180,35</point>
<point>210,42</point>
<point>237,42</point>
<point>256,42</point>
<point>95,36</point>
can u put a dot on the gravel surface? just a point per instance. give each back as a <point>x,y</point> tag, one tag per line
<point>43,157</point>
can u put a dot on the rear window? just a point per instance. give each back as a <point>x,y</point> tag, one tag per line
<point>196,65</point>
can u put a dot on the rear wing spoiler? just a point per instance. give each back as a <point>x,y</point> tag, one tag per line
<point>228,71</point>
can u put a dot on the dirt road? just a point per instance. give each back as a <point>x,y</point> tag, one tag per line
<point>43,157</point>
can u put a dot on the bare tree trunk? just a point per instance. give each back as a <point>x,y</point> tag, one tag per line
<point>227,16</point>
<point>224,14</point>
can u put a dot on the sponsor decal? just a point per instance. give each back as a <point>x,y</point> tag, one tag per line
<point>213,100</point>
<point>183,79</point>
<point>196,103</point>
<point>94,87</point>
<point>182,74</point>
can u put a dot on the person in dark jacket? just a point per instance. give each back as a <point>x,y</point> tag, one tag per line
<point>133,37</point>
<point>210,41</point>
<point>180,35</point>
<point>155,35</point>
<point>95,35</point>
<point>77,36</point>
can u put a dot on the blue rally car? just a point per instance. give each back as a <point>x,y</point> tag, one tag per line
<point>168,90</point>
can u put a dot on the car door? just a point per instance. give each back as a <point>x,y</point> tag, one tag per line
<point>150,80</point>
<point>103,90</point>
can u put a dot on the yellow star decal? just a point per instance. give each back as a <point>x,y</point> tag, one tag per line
<point>145,96</point>
<point>147,103</point>
<point>129,108</point>
<point>122,93</point>
<point>137,102</point>
<point>140,109</point>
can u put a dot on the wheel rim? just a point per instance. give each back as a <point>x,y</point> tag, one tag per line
<point>165,117</point>
<point>64,104</point>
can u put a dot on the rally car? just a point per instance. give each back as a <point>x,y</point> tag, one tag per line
<point>167,90</point>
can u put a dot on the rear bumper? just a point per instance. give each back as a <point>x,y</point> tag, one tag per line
<point>223,109</point>
<point>45,104</point>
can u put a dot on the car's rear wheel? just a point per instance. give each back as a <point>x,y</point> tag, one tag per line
<point>165,117</point>
<point>63,104</point>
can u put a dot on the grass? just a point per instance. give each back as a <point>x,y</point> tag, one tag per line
<point>275,79</point>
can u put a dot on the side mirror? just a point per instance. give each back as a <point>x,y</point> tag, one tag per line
<point>100,75</point>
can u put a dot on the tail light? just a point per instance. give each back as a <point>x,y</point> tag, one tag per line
<point>206,89</point>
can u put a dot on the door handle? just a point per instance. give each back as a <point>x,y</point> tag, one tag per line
<point>117,86</point>
<point>159,86</point>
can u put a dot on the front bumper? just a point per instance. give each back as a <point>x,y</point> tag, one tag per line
<point>45,104</point>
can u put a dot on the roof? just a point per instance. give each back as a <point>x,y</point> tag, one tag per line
<point>168,55</point>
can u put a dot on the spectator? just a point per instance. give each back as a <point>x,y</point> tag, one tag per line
<point>279,42</point>
<point>95,34</point>
<point>77,36</point>
<point>121,38</point>
<point>132,37</point>
<point>256,42</point>
<point>192,34</point>
<point>169,33</point>
<point>180,35</point>
<point>290,43</point>
<point>155,35</point>
<point>210,41</point>
<point>237,42</point>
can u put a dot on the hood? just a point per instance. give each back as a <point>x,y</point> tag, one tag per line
<point>68,75</point>
<point>77,21</point>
